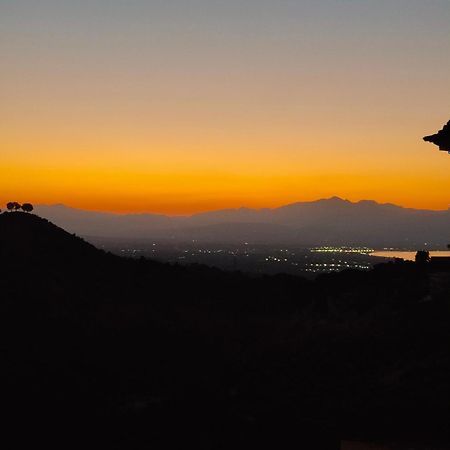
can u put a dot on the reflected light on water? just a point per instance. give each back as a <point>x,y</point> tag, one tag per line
<point>407,256</point>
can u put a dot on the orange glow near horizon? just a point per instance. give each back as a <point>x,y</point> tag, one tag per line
<point>187,172</point>
<point>120,186</point>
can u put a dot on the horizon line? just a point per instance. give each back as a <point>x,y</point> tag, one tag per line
<point>137,213</point>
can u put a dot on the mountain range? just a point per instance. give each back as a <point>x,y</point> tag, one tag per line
<point>332,221</point>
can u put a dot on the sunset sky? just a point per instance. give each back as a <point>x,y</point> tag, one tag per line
<point>178,106</point>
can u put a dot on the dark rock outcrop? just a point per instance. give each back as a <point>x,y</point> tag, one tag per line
<point>441,138</point>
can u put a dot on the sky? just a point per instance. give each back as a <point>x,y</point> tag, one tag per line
<point>179,106</point>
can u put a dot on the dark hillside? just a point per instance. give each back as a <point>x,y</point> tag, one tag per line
<point>27,236</point>
<point>149,355</point>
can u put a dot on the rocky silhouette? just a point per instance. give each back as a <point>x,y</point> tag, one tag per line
<point>441,138</point>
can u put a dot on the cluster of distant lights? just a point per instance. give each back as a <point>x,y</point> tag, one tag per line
<point>322,267</point>
<point>275,259</point>
<point>282,258</point>
<point>360,250</point>
<point>333,267</point>
<point>209,252</point>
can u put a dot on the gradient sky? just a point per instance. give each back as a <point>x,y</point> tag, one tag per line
<point>178,106</point>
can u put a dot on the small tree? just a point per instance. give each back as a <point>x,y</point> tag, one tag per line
<point>27,207</point>
<point>17,206</point>
<point>10,206</point>
<point>422,257</point>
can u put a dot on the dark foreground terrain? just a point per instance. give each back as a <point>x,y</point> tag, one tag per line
<point>99,351</point>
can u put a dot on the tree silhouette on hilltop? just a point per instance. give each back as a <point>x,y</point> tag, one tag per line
<point>27,207</point>
<point>15,206</point>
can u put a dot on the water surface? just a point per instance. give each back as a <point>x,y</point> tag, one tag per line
<point>407,256</point>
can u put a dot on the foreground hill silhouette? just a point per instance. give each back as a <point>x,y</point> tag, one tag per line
<point>131,354</point>
<point>27,236</point>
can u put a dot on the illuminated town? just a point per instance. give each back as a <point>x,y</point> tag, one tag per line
<point>258,259</point>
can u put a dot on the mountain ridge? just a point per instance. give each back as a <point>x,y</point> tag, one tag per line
<point>241,208</point>
<point>325,221</point>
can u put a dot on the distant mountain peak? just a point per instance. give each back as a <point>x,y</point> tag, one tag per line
<point>335,199</point>
<point>369,203</point>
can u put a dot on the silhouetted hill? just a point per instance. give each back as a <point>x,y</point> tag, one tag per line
<point>328,221</point>
<point>131,354</point>
<point>31,237</point>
